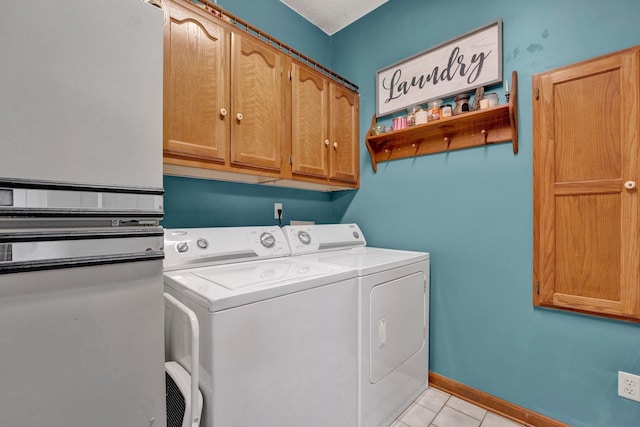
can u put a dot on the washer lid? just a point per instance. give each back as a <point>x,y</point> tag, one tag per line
<point>260,274</point>
<point>232,285</point>
<point>368,260</point>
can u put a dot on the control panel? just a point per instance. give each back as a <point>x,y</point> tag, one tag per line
<point>323,237</point>
<point>210,246</point>
<point>302,238</point>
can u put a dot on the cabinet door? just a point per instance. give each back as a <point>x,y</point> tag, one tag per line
<point>309,123</point>
<point>586,154</point>
<point>196,94</point>
<point>344,134</point>
<point>258,115</point>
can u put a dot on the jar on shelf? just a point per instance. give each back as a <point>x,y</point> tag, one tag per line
<point>377,129</point>
<point>411,115</point>
<point>492,99</point>
<point>399,123</point>
<point>434,109</point>
<point>422,116</point>
<point>446,110</point>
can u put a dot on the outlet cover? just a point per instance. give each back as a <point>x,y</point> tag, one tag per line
<point>629,386</point>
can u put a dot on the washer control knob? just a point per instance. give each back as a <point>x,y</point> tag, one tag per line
<point>267,240</point>
<point>182,247</point>
<point>356,234</point>
<point>202,243</point>
<point>304,237</point>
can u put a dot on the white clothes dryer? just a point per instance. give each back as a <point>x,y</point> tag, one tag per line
<point>278,335</point>
<point>393,289</point>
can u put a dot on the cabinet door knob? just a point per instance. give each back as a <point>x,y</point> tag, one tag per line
<point>239,116</point>
<point>326,142</point>
<point>223,112</point>
<point>335,145</point>
<point>630,185</point>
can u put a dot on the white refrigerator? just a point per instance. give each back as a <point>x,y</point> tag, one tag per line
<point>81,248</point>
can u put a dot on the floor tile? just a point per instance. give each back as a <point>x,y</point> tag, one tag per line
<point>449,417</point>
<point>493,420</point>
<point>466,408</point>
<point>417,416</point>
<point>432,399</point>
<point>435,408</point>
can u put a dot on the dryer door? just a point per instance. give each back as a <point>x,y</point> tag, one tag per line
<point>398,322</point>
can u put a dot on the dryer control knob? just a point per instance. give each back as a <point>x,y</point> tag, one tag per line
<point>202,243</point>
<point>267,240</point>
<point>182,247</point>
<point>304,237</point>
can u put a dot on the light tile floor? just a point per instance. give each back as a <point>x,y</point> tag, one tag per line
<point>434,408</point>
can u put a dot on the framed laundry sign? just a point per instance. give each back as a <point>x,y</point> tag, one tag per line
<point>474,59</point>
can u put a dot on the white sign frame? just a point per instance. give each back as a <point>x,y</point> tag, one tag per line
<point>469,61</point>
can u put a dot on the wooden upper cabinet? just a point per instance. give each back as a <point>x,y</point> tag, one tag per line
<point>586,155</point>
<point>236,107</point>
<point>344,135</point>
<point>196,92</point>
<point>325,120</point>
<point>309,123</point>
<point>258,95</point>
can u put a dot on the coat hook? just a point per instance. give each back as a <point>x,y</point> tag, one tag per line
<point>448,141</point>
<point>484,133</point>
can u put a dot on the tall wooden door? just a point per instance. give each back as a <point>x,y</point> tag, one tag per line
<point>258,95</point>
<point>196,90</point>
<point>344,135</point>
<point>586,155</point>
<point>309,123</point>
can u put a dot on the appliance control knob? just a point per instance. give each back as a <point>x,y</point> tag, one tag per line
<point>182,247</point>
<point>267,240</point>
<point>304,237</point>
<point>202,243</point>
<point>356,234</point>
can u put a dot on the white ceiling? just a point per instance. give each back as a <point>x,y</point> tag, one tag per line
<point>332,15</point>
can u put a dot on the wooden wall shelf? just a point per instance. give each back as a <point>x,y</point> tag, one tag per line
<point>490,126</point>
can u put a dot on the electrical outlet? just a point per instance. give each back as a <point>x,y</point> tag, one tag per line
<point>629,386</point>
<point>276,207</point>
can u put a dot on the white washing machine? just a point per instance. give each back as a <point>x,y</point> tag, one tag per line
<point>393,315</point>
<point>278,335</point>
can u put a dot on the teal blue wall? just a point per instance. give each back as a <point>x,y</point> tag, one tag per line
<point>471,209</point>
<point>192,202</point>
